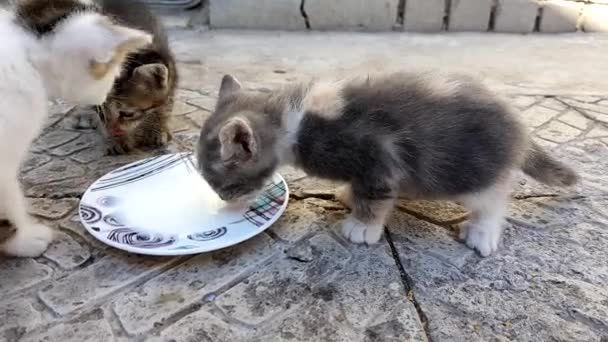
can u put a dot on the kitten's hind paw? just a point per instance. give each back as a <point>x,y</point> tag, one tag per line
<point>485,240</point>
<point>29,242</point>
<point>359,232</point>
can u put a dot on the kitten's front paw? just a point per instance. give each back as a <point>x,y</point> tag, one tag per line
<point>359,232</point>
<point>29,242</point>
<point>83,118</point>
<point>117,148</point>
<point>483,239</point>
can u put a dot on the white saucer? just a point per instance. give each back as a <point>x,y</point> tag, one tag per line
<point>162,206</point>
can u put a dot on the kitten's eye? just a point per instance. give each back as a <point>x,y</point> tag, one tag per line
<point>126,115</point>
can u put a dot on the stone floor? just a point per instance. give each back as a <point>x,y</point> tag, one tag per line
<point>300,281</point>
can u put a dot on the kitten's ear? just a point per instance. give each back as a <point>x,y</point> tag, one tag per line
<point>153,75</point>
<point>229,86</point>
<point>121,41</point>
<point>237,141</point>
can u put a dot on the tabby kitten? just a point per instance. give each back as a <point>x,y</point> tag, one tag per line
<point>75,57</point>
<point>138,109</point>
<point>421,135</point>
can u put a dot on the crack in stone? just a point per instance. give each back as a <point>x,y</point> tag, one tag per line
<point>408,284</point>
<point>71,195</point>
<point>304,14</point>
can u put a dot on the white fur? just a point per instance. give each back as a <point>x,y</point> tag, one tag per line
<point>31,72</point>
<point>358,232</point>
<point>488,209</point>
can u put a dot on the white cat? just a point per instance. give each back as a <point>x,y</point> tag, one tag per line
<point>77,61</point>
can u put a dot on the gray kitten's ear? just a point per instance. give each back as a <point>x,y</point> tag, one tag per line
<point>229,86</point>
<point>237,141</point>
<point>154,75</point>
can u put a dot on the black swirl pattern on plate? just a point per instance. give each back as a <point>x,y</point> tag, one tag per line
<point>141,170</point>
<point>112,221</point>
<point>89,214</point>
<point>128,236</point>
<point>208,235</point>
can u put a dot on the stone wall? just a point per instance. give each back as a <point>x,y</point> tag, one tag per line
<point>508,16</point>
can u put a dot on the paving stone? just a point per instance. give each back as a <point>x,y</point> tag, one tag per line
<point>553,104</point>
<point>187,140</point>
<point>34,161</point>
<point>21,273</point>
<point>73,187</point>
<point>82,143</point>
<point>317,321</point>
<point>558,132</point>
<point>301,219</point>
<point>199,117</point>
<point>90,155</point>
<point>100,279</point>
<point>53,139</point>
<point>559,16</point>
<point>52,209</point>
<point>576,119</point>
<point>430,239</point>
<point>439,212</point>
<point>351,14</point>
<point>470,15</point>
<point>181,108</point>
<point>588,107</point>
<point>424,16</point>
<point>373,273</point>
<point>291,174</point>
<point>536,116</point>
<point>256,14</point>
<point>522,102</point>
<point>19,315</point>
<point>179,124</point>
<point>595,18</point>
<point>95,329</point>
<point>284,284</point>
<point>516,16</point>
<point>67,252</point>
<point>203,325</point>
<point>54,171</point>
<point>204,102</point>
<point>597,131</point>
<point>158,299</point>
<point>73,225</point>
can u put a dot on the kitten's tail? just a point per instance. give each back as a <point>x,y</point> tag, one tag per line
<point>542,167</point>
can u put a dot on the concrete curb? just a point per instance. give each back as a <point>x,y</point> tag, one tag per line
<point>507,16</point>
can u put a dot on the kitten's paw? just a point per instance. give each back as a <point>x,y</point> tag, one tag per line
<point>359,232</point>
<point>82,118</point>
<point>29,242</point>
<point>117,148</point>
<point>483,239</point>
<point>343,195</point>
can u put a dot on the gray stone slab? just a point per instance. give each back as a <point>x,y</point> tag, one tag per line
<point>100,279</point>
<point>560,16</point>
<point>284,284</point>
<point>20,315</point>
<point>378,15</point>
<point>152,303</point>
<point>54,171</point>
<point>424,16</point>
<point>19,273</point>
<point>67,252</point>
<point>205,325</point>
<point>256,14</point>
<point>52,209</point>
<point>470,15</point>
<point>516,16</point>
<point>89,329</point>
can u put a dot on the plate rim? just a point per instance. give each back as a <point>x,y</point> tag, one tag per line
<point>177,252</point>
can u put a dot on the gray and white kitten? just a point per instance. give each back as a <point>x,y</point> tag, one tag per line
<point>421,135</point>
